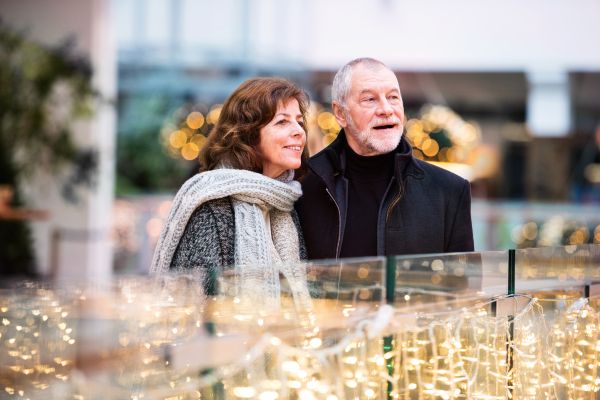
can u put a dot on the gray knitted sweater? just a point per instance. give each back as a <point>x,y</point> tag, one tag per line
<point>209,236</point>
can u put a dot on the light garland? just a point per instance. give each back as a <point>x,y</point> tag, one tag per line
<point>549,350</point>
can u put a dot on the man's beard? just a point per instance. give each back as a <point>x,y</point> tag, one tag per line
<point>370,144</point>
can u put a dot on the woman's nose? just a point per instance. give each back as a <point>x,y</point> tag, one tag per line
<point>298,130</point>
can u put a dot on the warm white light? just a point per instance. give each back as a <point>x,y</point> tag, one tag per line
<point>306,395</point>
<point>291,366</point>
<point>275,341</point>
<point>268,395</point>
<point>245,392</point>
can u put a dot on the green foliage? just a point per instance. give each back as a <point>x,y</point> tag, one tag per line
<point>41,91</point>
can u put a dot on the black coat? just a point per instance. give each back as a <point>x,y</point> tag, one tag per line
<point>428,212</point>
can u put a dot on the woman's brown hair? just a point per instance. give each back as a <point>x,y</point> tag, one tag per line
<point>236,136</point>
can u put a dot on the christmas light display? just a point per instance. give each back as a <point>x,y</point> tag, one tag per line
<point>189,336</point>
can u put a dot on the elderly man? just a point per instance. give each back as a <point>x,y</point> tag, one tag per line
<point>366,195</point>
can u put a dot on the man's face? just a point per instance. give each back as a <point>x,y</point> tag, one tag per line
<point>375,114</point>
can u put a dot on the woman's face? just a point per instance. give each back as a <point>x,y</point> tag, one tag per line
<point>282,140</point>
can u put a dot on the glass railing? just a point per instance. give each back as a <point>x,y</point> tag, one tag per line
<point>548,268</point>
<point>449,280</point>
<point>489,325</point>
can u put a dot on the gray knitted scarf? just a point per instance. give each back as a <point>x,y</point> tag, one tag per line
<point>259,257</point>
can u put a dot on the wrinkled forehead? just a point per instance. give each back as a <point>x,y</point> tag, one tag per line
<point>376,79</point>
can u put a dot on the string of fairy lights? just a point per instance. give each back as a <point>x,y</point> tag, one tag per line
<point>438,134</point>
<point>554,342</point>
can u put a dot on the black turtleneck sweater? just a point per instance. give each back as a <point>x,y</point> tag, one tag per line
<point>368,179</point>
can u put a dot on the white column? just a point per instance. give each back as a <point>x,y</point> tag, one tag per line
<point>549,103</point>
<point>84,250</point>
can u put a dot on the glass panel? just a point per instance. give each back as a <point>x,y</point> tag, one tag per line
<point>251,298</point>
<point>545,268</point>
<point>325,332</point>
<point>115,331</point>
<point>451,353</point>
<point>347,283</point>
<point>431,278</point>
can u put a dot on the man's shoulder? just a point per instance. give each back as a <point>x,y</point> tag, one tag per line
<point>440,175</point>
<point>311,185</point>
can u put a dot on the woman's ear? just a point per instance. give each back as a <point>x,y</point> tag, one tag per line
<point>340,114</point>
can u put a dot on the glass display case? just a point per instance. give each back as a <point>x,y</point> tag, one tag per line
<point>489,325</point>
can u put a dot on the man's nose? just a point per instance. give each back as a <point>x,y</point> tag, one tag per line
<point>385,108</point>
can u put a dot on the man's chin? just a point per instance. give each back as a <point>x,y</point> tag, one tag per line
<point>373,142</point>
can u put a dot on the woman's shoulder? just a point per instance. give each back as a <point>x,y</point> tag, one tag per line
<point>207,240</point>
<point>218,209</point>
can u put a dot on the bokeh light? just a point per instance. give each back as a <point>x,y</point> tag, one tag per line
<point>213,115</point>
<point>154,226</point>
<point>183,136</point>
<point>195,120</point>
<point>190,151</point>
<point>441,136</point>
<point>178,139</point>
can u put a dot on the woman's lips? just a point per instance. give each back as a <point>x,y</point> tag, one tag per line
<point>294,148</point>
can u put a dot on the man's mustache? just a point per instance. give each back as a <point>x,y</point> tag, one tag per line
<point>385,121</point>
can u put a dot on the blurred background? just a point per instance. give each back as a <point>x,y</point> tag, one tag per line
<point>105,104</point>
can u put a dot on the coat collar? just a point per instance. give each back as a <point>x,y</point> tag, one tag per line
<point>331,161</point>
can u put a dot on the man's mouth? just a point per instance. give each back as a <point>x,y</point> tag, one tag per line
<point>382,127</point>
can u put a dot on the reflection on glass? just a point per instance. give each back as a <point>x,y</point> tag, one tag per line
<point>554,267</point>
<point>246,301</point>
<point>439,278</point>
<point>326,334</point>
<point>38,330</point>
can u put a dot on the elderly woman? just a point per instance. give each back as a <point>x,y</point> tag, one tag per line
<point>238,211</point>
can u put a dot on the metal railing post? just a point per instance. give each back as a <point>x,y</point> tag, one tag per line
<point>390,296</point>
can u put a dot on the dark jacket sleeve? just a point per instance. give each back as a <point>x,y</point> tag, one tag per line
<point>200,246</point>
<point>461,234</point>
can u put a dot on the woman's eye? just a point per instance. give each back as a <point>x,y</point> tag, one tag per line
<point>301,123</point>
<point>282,122</point>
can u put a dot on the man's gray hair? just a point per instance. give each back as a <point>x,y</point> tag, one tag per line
<point>342,82</point>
